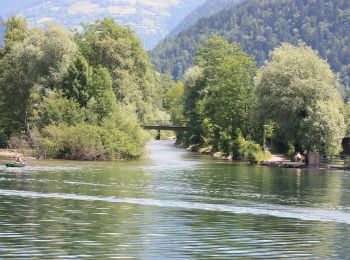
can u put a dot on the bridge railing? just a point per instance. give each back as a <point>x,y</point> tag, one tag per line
<point>166,123</point>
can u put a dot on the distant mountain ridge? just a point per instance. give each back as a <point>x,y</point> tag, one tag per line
<point>152,20</point>
<point>261,25</point>
<point>207,9</point>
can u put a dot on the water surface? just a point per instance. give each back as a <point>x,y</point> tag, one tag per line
<point>174,204</point>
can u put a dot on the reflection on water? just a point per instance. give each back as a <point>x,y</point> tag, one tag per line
<point>174,204</point>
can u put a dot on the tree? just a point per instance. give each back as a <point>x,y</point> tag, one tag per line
<point>76,83</point>
<point>134,81</point>
<point>218,99</point>
<point>299,92</point>
<point>50,94</point>
<point>30,66</point>
<point>192,95</point>
<point>103,103</point>
<point>16,30</point>
<point>228,81</point>
<point>174,101</point>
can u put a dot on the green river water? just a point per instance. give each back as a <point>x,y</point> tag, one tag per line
<point>173,204</point>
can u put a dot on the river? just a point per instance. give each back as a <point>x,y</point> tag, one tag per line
<point>173,204</point>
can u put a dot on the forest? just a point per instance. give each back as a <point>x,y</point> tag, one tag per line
<point>208,8</point>
<point>80,95</point>
<point>259,27</point>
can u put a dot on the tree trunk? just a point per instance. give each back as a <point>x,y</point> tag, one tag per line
<point>28,133</point>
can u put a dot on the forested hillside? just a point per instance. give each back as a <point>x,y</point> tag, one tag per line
<point>207,9</point>
<point>261,25</point>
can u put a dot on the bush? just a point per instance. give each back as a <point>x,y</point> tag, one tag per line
<point>250,151</point>
<point>255,153</point>
<point>17,142</point>
<point>89,142</point>
<point>225,142</point>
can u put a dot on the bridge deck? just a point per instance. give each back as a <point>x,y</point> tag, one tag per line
<point>166,128</point>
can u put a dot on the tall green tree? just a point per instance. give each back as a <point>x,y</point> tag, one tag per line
<point>30,66</point>
<point>103,103</point>
<point>76,83</point>
<point>300,93</point>
<point>174,101</point>
<point>228,79</point>
<point>221,94</point>
<point>106,44</point>
<point>192,94</point>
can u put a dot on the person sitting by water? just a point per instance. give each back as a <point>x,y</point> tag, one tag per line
<point>19,159</point>
<point>297,157</point>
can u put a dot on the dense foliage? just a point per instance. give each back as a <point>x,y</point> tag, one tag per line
<point>207,9</point>
<point>261,25</point>
<point>294,99</point>
<point>218,98</point>
<point>80,97</point>
<point>117,49</point>
<point>299,93</point>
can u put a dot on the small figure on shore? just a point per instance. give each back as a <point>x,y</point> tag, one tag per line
<point>19,159</point>
<point>297,157</point>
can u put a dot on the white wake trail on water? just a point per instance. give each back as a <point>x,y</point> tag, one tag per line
<point>306,214</point>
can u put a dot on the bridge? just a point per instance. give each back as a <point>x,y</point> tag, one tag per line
<point>166,125</point>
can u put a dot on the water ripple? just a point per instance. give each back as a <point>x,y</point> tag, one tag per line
<point>306,214</point>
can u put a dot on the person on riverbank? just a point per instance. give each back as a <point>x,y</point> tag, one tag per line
<point>297,157</point>
<point>19,159</point>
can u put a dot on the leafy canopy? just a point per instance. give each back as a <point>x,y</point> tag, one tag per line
<point>299,92</point>
<point>218,93</point>
<point>134,81</point>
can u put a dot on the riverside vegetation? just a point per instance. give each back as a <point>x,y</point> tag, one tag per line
<point>84,95</point>
<point>294,98</point>
<point>76,96</point>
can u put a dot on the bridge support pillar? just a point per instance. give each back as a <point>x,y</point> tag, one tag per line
<point>158,135</point>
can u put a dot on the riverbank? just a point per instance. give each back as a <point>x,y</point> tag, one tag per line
<point>276,160</point>
<point>251,156</point>
<point>5,153</point>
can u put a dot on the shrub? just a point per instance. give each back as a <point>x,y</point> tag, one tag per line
<point>17,142</point>
<point>89,142</point>
<point>250,151</point>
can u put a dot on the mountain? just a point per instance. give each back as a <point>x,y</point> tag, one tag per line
<point>152,20</point>
<point>208,8</point>
<point>261,25</point>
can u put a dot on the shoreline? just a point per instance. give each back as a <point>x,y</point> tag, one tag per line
<point>277,161</point>
<point>8,154</point>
